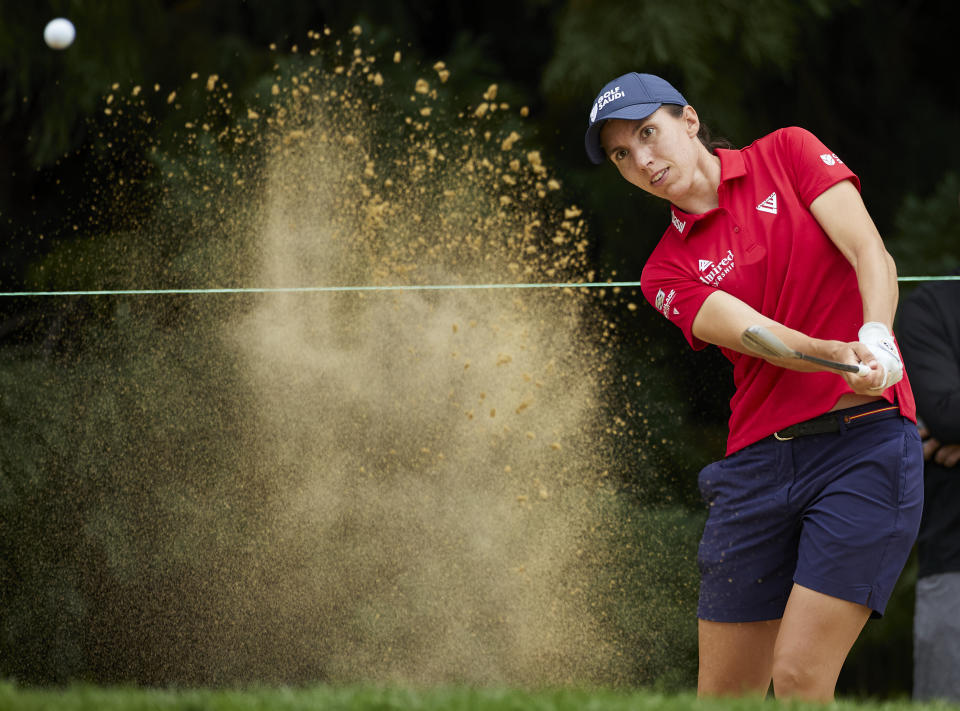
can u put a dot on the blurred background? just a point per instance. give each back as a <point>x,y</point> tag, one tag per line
<point>872,78</point>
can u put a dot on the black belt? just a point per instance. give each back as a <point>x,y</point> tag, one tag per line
<point>838,420</point>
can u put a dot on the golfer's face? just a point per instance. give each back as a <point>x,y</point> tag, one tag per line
<point>657,154</point>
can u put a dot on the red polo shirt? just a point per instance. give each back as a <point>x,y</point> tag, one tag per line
<point>763,246</point>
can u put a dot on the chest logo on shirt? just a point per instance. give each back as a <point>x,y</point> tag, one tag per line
<point>713,273</point>
<point>769,205</point>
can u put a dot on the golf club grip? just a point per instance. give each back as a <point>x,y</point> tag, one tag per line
<point>860,368</point>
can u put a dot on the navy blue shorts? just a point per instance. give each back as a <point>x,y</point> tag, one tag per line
<point>837,513</point>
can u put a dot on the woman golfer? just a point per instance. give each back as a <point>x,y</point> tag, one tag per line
<point>814,509</point>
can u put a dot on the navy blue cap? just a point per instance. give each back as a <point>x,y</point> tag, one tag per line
<point>631,96</point>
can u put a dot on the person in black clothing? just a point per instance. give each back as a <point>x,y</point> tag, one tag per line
<point>929,336</point>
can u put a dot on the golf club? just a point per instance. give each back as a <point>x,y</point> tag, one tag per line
<point>760,340</point>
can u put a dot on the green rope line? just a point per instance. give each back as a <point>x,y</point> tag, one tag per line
<point>411,287</point>
<point>311,289</point>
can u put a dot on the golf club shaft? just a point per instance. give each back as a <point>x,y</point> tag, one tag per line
<point>845,367</point>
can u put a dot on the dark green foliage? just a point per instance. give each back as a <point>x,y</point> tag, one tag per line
<point>926,240</point>
<point>88,426</point>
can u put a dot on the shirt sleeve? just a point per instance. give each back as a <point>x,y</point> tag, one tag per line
<point>676,294</point>
<point>814,166</point>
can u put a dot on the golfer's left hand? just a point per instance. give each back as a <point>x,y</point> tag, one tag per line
<point>879,340</point>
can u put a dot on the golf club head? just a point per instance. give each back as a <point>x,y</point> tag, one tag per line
<point>761,340</point>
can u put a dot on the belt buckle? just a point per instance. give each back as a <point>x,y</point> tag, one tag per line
<point>783,439</point>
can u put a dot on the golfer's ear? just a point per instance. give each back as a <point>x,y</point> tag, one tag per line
<point>691,120</point>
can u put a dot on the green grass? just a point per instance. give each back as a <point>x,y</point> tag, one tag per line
<point>359,698</point>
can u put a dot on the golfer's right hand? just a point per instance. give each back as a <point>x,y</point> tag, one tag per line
<point>857,352</point>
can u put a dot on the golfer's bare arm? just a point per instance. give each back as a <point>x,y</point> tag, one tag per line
<point>843,216</point>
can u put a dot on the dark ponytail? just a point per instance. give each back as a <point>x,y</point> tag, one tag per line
<point>711,143</point>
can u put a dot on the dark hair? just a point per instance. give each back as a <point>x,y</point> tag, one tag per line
<point>703,134</point>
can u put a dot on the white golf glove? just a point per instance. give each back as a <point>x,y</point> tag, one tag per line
<point>878,338</point>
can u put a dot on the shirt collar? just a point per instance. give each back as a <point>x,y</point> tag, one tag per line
<point>732,166</point>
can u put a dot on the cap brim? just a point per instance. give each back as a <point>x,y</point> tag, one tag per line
<point>592,138</point>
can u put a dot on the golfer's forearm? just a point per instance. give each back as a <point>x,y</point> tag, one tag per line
<point>877,279</point>
<point>723,318</point>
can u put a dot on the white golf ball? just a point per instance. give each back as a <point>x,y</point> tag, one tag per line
<point>59,33</point>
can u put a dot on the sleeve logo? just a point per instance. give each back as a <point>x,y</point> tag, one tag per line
<point>663,302</point>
